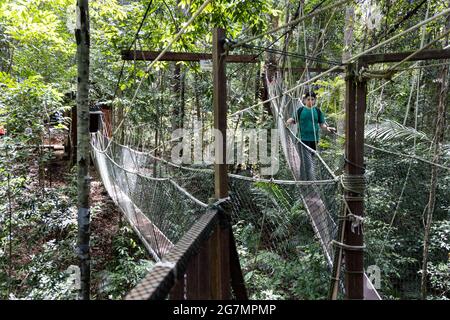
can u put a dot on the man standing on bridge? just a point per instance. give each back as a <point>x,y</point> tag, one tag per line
<point>309,118</point>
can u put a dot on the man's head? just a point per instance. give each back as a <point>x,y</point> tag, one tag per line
<point>309,99</point>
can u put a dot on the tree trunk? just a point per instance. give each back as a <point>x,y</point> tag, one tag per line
<point>438,139</point>
<point>177,111</point>
<point>197,98</point>
<point>182,98</point>
<point>83,42</point>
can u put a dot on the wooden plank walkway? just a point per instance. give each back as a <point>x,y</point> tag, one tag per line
<point>318,214</point>
<point>153,238</point>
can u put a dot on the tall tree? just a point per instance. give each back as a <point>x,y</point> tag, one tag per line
<point>83,44</point>
<point>437,141</point>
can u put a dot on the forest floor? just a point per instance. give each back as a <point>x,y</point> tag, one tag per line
<point>49,235</point>
<point>105,216</point>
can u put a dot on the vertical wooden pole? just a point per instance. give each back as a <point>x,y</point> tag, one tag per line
<point>220,112</point>
<point>106,109</point>
<point>220,239</point>
<point>225,270</point>
<point>355,106</point>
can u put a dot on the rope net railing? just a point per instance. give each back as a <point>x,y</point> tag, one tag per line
<point>276,220</point>
<point>307,164</point>
<point>155,207</point>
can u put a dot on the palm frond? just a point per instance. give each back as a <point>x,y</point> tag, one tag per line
<point>391,130</point>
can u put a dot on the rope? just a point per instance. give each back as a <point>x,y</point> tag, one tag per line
<point>408,156</point>
<point>204,205</point>
<point>347,61</point>
<point>170,179</point>
<point>282,35</point>
<point>354,164</point>
<point>169,45</point>
<point>289,24</point>
<point>236,176</point>
<point>389,72</point>
<point>295,55</point>
<point>131,45</point>
<point>397,154</point>
<point>355,183</point>
<point>348,247</point>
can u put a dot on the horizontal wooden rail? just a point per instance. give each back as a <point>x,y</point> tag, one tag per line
<point>184,56</point>
<point>434,54</point>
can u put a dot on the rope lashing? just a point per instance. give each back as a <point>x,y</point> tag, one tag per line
<point>355,183</point>
<point>356,222</point>
<point>347,247</point>
<point>376,74</point>
<point>354,164</point>
<point>219,201</point>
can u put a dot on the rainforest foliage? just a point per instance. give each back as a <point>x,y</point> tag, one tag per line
<point>38,79</point>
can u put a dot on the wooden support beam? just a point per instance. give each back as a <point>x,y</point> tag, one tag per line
<point>225,275</point>
<point>220,251</point>
<point>434,54</point>
<point>184,56</point>
<point>302,69</point>
<point>220,113</point>
<point>354,108</point>
<point>177,292</point>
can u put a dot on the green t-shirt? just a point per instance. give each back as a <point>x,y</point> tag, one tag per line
<point>308,127</point>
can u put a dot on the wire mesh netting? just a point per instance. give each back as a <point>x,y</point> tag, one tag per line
<point>155,207</point>
<point>398,194</point>
<point>276,222</point>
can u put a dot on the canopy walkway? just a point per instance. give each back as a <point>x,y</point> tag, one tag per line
<point>167,203</point>
<point>189,228</point>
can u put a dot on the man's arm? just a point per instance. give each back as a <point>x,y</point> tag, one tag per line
<point>294,115</point>
<point>325,127</point>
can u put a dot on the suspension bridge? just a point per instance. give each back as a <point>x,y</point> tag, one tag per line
<point>186,215</point>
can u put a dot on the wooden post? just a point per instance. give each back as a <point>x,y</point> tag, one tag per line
<point>220,241</point>
<point>220,112</point>
<point>225,270</point>
<point>237,278</point>
<point>107,119</point>
<point>355,105</point>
